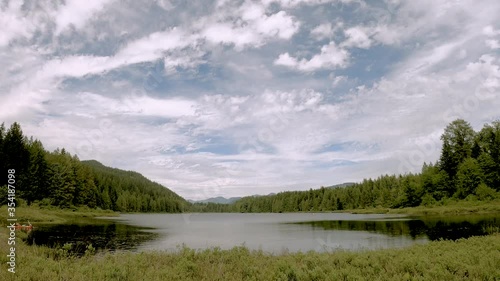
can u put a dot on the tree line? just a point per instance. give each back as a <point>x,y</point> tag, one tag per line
<point>57,178</point>
<point>468,168</point>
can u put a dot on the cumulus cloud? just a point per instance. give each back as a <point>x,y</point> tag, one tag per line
<point>77,13</point>
<point>228,117</point>
<point>330,57</point>
<point>254,29</point>
<point>323,31</point>
<point>356,37</point>
<point>14,24</point>
<point>294,3</point>
<point>493,44</point>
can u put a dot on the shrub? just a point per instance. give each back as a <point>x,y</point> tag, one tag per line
<point>486,193</point>
<point>428,200</point>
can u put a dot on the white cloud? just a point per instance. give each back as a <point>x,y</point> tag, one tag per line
<point>356,37</point>
<point>330,57</point>
<point>286,60</point>
<point>294,3</point>
<point>254,29</point>
<point>339,79</point>
<point>493,44</point>
<point>77,13</point>
<point>14,24</point>
<point>145,49</point>
<point>228,121</point>
<point>323,31</point>
<point>151,47</point>
<point>226,34</point>
<point>490,31</point>
<point>133,105</point>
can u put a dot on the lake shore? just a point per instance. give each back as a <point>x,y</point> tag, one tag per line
<point>475,258</point>
<point>53,215</point>
<point>56,215</point>
<point>453,208</point>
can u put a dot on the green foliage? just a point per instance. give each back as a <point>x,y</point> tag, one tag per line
<point>486,193</point>
<point>428,200</point>
<point>60,179</point>
<point>468,178</point>
<point>468,160</point>
<point>129,191</point>
<point>38,173</point>
<point>469,165</point>
<point>489,154</point>
<point>458,140</point>
<point>15,155</point>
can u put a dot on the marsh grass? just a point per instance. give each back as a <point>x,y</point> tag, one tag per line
<point>446,208</point>
<point>53,215</point>
<point>476,258</point>
<point>491,229</point>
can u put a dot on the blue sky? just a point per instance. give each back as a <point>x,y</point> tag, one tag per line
<point>234,98</point>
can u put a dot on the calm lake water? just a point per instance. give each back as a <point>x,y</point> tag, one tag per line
<point>270,232</point>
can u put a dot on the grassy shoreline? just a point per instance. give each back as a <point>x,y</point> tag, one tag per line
<point>475,258</point>
<point>53,215</point>
<point>454,208</point>
<point>56,215</point>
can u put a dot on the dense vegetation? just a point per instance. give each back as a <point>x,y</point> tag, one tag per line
<point>468,168</point>
<point>60,179</point>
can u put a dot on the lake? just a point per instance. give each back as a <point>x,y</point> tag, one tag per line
<point>274,233</point>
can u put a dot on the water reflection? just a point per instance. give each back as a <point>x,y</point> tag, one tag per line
<point>102,235</point>
<point>270,232</point>
<point>432,228</point>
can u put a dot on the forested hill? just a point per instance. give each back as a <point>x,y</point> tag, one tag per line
<point>468,169</point>
<point>132,192</point>
<point>60,179</point>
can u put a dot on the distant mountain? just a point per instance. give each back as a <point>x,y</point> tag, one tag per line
<point>224,200</point>
<point>345,184</point>
<point>218,200</point>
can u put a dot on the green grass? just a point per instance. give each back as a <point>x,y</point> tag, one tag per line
<point>476,258</point>
<point>451,208</point>
<point>52,215</point>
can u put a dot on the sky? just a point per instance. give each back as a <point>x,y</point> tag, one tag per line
<point>235,98</point>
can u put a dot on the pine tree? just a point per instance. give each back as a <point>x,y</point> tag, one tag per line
<point>468,178</point>
<point>38,174</point>
<point>458,141</point>
<point>489,156</point>
<point>16,156</point>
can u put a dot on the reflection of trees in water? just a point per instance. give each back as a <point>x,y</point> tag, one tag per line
<point>434,229</point>
<point>110,236</point>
